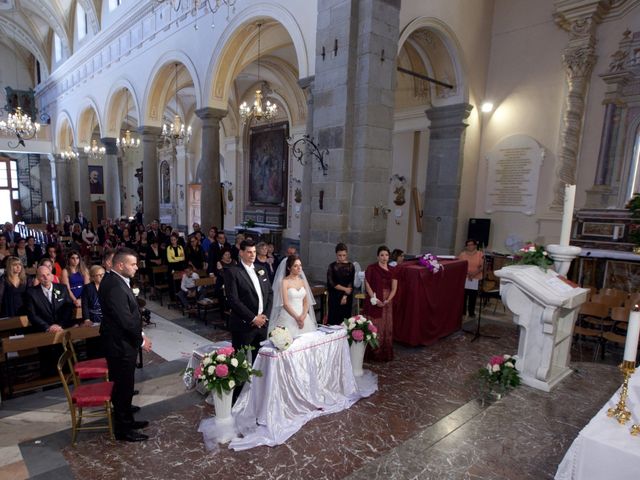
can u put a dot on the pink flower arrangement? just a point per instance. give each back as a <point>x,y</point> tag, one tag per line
<point>496,360</point>
<point>225,368</point>
<point>431,262</point>
<point>361,329</point>
<point>500,373</point>
<point>222,370</point>
<point>228,351</point>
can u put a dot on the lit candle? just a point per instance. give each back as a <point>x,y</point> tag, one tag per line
<point>567,214</point>
<point>633,333</point>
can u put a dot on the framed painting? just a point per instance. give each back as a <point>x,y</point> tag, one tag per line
<point>268,161</point>
<point>96,180</point>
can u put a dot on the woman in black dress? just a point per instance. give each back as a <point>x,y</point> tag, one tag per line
<point>13,285</point>
<point>340,276</point>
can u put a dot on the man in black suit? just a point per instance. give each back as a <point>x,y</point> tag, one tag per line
<point>249,296</point>
<point>81,220</point>
<point>121,333</point>
<point>215,251</point>
<point>49,306</point>
<point>10,234</point>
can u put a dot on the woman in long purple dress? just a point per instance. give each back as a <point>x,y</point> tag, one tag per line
<point>381,286</point>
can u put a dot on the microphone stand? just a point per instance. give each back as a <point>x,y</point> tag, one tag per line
<point>477,334</point>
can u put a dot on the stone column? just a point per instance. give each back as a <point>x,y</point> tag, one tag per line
<point>210,202</point>
<point>60,172</point>
<point>111,178</point>
<point>150,195</point>
<point>84,197</point>
<point>305,219</point>
<point>444,177</point>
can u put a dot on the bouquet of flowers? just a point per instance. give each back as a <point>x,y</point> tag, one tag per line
<point>500,373</point>
<point>281,338</point>
<point>361,329</point>
<point>532,254</point>
<point>225,368</point>
<point>431,262</point>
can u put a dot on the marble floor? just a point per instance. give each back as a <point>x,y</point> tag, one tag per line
<point>425,422</point>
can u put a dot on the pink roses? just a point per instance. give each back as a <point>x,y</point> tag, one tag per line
<point>372,328</point>
<point>222,370</point>
<point>228,351</point>
<point>496,360</point>
<point>358,335</point>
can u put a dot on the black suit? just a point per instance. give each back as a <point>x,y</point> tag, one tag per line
<point>243,301</point>
<point>42,313</point>
<point>121,333</point>
<point>214,255</point>
<point>12,237</point>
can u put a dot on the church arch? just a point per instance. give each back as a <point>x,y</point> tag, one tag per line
<point>64,132</point>
<point>87,120</point>
<point>116,105</point>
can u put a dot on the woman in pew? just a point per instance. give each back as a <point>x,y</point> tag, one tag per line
<point>46,261</point>
<point>75,276</point>
<point>13,285</point>
<point>91,310</point>
<point>4,250</point>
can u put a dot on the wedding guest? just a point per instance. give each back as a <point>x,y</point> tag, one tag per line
<point>176,259</point>
<point>52,254</point>
<point>52,228</point>
<point>74,276</point>
<point>13,285</point>
<point>397,257</point>
<point>195,254</point>
<point>101,231</point>
<point>66,225</point>
<point>475,261</point>
<point>34,252</point>
<point>216,248</point>
<point>81,220</point>
<point>4,250</point>
<point>235,250</point>
<point>46,261</point>
<point>208,241</point>
<point>188,289</point>
<point>89,236</point>
<point>381,287</point>
<point>10,234</point>
<point>91,309</point>
<point>154,254</point>
<point>107,260</point>
<point>76,237</point>
<point>21,251</point>
<point>39,300</point>
<point>272,256</point>
<point>340,277</point>
<point>262,259</point>
<point>225,262</point>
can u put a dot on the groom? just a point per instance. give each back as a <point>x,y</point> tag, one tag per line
<point>249,295</point>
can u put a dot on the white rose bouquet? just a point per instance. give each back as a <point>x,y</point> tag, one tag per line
<point>223,369</point>
<point>361,329</point>
<point>281,338</point>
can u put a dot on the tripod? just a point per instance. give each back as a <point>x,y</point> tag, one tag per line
<point>477,334</point>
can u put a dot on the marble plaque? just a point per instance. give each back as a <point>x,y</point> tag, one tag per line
<point>513,174</point>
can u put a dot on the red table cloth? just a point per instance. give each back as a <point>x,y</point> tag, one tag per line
<point>428,306</point>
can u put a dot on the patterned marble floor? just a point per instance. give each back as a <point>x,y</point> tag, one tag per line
<point>426,422</point>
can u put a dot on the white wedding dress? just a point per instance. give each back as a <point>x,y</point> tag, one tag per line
<point>296,298</point>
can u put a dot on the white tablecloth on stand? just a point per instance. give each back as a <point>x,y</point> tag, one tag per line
<point>313,377</point>
<point>604,448</point>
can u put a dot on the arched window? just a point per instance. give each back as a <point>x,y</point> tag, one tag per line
<point>57,48</point>
<point>81,22</point>
<point>165,183</point>
<point>113,4</point>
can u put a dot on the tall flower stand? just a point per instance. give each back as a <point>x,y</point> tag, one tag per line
<point>221,427</point>
<point>356,350</point>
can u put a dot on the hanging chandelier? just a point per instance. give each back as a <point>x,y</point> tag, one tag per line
<point>214,6</point>
<point>94,152</point>
<point>69,154</point>
<point>175,133</point>
<point>127,141</point>
<point>19,124</point>
<point>261,109</point>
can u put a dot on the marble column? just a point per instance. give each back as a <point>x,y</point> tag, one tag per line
<point>82,189</point>
<point>64,203</point>
<point>150,195</point>
<point>111,178</point>
<point>305,219</point>
<point>444,177</point>
<point>210,201</point>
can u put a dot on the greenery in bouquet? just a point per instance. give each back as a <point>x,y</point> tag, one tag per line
<point>225,368</point>
<point>500,373</point>
<point>431,262</point>
<point>281,338</point>
<point>532,254</point>
<point>361,329</point>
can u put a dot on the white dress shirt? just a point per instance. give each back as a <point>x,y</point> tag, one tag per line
<point>256,284</point>
<point>47,292</point>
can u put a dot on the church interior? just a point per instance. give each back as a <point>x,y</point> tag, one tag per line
<point>305,124</point>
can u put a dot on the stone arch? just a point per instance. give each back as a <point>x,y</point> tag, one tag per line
<point>21,36</point>
<point>92,14</point>
<point>237,36</point>
<point>161,83</point>
<point>87,119</point>
<point>434,48</point>
<point>64,131</point>
<point>116,104</point>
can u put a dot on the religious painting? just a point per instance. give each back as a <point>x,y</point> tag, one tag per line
<point>96,180</point>
<point>598,229</point>
<point>622,275</point>
<point>268,159</point>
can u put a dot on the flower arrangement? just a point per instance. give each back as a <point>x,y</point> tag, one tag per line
<point>281,338</point>
<point>532,254</point>
<point>431,262</point>
<point>500,373</point>
<point>361,329</point>
<point>224,368</point>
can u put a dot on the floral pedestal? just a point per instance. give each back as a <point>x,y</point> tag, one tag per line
<point>224,422</point>
<point>356,351</point>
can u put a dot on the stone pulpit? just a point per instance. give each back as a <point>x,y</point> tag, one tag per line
<point>546,308</point>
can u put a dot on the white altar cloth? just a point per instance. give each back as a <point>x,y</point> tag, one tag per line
<point>313,377</point>
<point>604,448</point>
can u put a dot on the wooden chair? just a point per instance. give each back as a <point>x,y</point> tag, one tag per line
<point>207,301</point>
<point>592,315</point>
<point>86,369</point>
<point>159,282</point>
<point>616,292</point>
<point>610,301</point>
<point>94,395</point>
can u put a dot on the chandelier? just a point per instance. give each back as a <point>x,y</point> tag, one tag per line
<point>127,141</point>
<point>20,125</point>
<point>69,154</point>
<point>260,110</point>
<point>175,133</point>
<point>94,152</point>
<point>214,6</point>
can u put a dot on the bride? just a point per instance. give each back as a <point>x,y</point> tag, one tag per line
<point>292,299</point>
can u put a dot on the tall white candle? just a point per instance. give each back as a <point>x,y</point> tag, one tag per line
<point>567,214</point>
<point>633,333</point>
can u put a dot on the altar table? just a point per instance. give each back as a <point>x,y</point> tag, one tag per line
<point>604,448</point>
<point>428,306</point>
<point>313,377</point>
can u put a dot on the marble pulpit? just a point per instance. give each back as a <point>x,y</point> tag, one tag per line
<point>545,307</point>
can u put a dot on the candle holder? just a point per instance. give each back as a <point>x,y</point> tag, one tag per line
<point>620,412</point>
<point>562,256</point>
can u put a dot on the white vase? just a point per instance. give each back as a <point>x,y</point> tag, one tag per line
<point>357,356</point>
<point>222,405</point>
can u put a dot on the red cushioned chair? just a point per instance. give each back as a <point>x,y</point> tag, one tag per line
<point>86,369</point>
<point>96,396</point>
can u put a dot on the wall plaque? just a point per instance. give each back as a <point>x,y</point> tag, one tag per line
<point>513,174</point>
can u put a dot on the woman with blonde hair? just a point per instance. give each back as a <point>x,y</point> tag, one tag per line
<point>75,276</point>
<point>12,287</point>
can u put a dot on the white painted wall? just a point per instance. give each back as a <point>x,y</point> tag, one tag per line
<point>13,69</point>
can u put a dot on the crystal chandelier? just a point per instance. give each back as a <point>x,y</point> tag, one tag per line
<point>127,141</point>
<point>20,125</point>
<point>175,133</point>
<point>259,110</point>
<point>214,5</point>
<point>94,152</point>
<point>69,154</point>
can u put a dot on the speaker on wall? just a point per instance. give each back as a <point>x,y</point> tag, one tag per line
<point>479,229</point>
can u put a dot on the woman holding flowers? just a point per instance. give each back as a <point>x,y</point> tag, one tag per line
<point>475,261</point>
<point>381,286</point>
